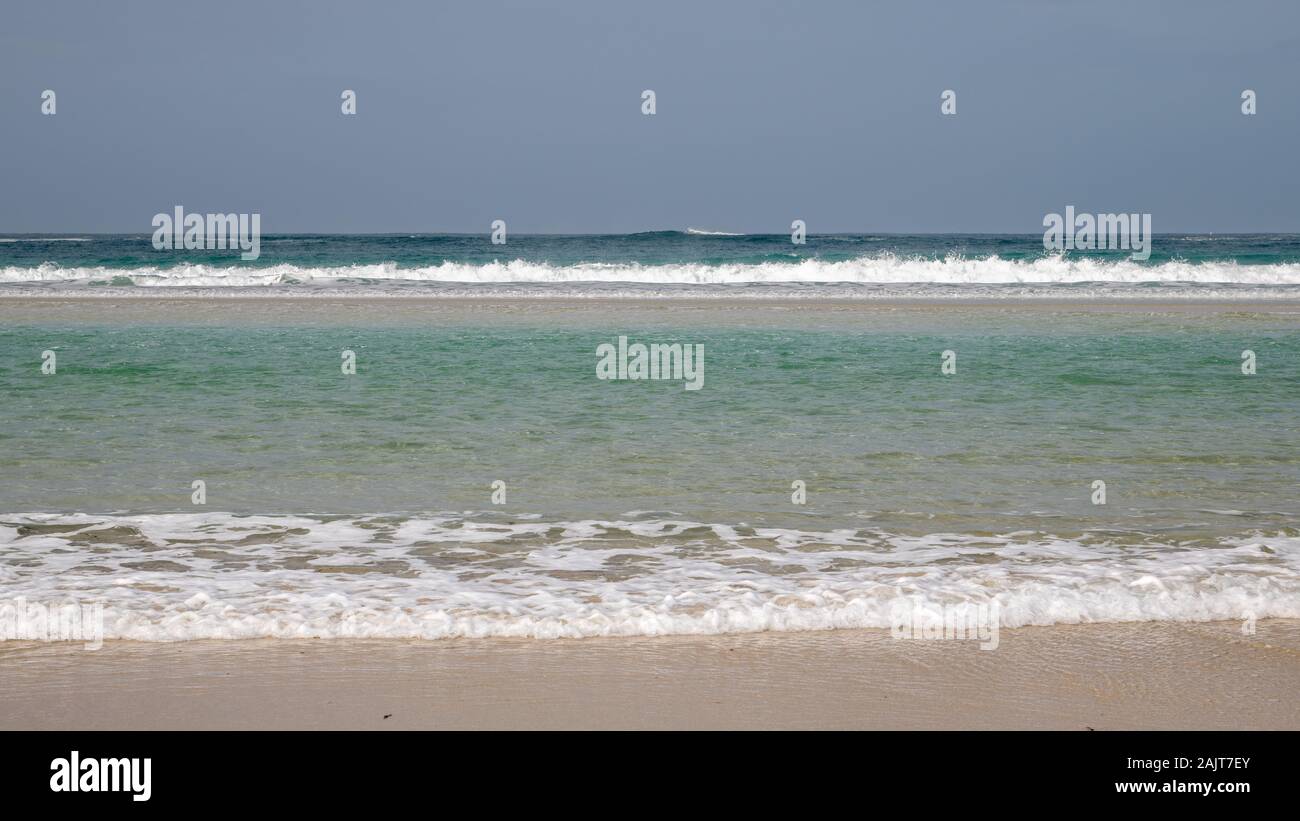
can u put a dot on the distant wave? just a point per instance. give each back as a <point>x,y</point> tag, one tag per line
<point>44,239</point>
<point>703,233</point>
<point>867,270</point>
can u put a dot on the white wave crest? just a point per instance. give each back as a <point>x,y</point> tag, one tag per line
<point>176,577</point>
<point>701,232</point>
<point>883,269</point>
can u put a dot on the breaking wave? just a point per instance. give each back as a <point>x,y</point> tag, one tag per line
<point>173,577</point>
<point>870,270</point>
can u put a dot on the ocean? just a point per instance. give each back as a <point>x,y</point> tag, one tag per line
<point>880,419</point>
<point>693,262</point>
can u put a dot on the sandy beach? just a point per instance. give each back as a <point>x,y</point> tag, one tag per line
<point>269,307</point>
<point>1085,677</point>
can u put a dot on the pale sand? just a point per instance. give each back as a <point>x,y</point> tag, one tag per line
<point>269,310</point>
<point>1130,676</point>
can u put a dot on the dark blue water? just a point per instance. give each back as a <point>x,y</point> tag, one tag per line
<point>649,248</point>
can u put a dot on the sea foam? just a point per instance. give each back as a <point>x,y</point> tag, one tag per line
<point>880,269</point>
<point>187,576</point>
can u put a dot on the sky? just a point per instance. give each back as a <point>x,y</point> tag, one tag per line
<point>766,112</point>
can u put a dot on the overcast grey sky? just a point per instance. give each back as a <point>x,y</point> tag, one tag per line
<point>531,112</point>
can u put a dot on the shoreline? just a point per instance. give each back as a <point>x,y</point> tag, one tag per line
<point>701,295</point>
<point>1149,675</point>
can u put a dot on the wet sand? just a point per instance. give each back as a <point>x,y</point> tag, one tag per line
<point>268,308</point>
<point>1103,677</point>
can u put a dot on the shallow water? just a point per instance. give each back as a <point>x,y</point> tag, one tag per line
<point>362,504</point>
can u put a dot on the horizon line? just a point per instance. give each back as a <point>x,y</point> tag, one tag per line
<point>686,232</point>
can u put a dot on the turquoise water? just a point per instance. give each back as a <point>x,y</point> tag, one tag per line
<point>434,415</point>
<point>362,504</point>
